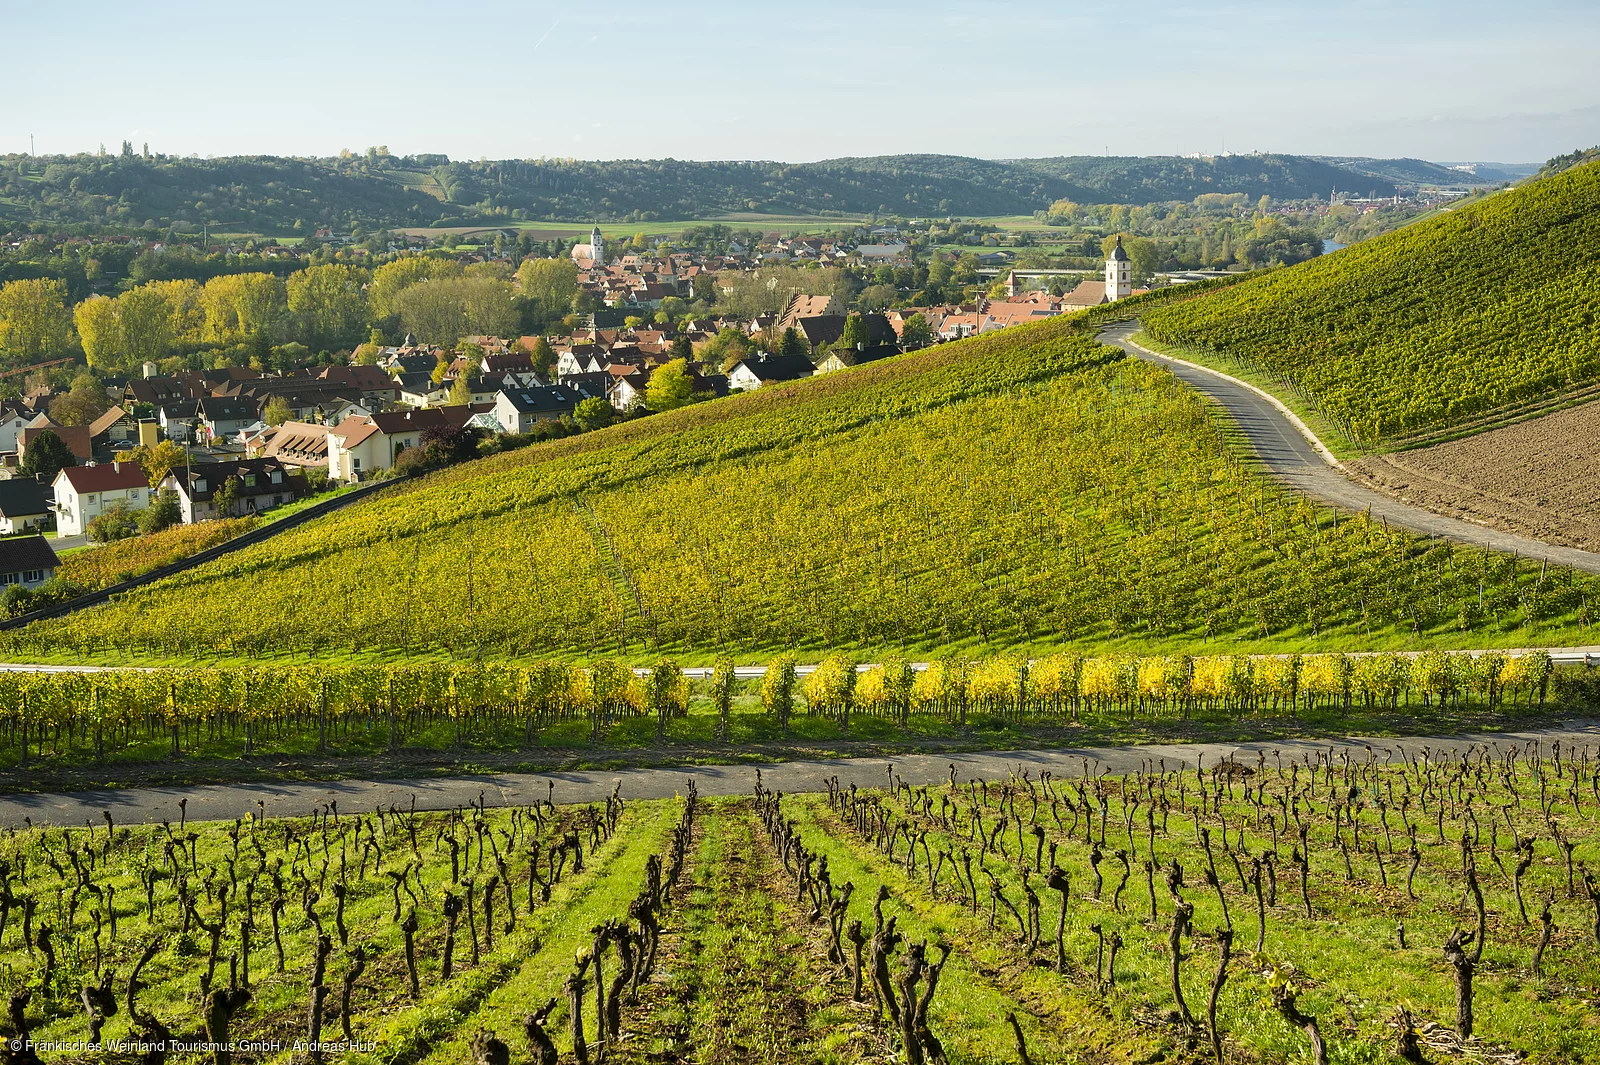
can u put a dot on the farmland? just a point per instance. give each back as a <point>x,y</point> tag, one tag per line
<point>1256,910</point>
<point>1024,489</point>
<point>1433,326</point>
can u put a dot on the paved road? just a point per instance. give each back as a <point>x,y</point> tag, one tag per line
<point>1294,455</point>
<point>227,801</point>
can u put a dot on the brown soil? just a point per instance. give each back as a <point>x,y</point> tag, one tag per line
<point>1537,478</point>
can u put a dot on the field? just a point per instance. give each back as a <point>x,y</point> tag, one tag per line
<point>1429,327</point>
<point>1249,911</point>
<point>1025,489</point>
<point>1535,478</point>
<point>97,566</point>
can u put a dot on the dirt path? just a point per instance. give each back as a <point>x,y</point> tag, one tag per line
<point>1294,455</point>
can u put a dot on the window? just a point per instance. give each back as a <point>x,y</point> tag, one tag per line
<point>355,465</point>
<point>277,477</point>
<point>88,499</point>
<point>33,576</point>
<point>200,484</point>
<point>249,480</point>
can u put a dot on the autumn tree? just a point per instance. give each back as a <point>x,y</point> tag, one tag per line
<point>671,386</point>
<point>34,322</point>
<point>328,304</point>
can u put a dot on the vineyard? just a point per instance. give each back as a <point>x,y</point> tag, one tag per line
<point>1352,908</point>
<point>1028,488</point>
<point>1489,305</point>
<point>97,567</point>
<point>164,715</point>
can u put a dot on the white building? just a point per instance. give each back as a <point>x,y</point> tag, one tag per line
<point>1119,274</point>
<point>83,493</point>
<point>592,253</point>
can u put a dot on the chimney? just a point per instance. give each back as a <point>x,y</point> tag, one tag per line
<point>116,467</point>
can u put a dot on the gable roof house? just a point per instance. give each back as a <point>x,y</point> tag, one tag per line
<point>76,437</point>
<point>83,493</point>
<point>295,444</point>
<point>263,483</point>
<point>222,417</point>
<point>28,561</point>
<point>764,368</point>
<point>114,430</point>
<point>517,409</point>
<point>360,446</point>
<point>12,422</point>
<point>22,505</point>
<point>843,358</point>
<point>802,306</point>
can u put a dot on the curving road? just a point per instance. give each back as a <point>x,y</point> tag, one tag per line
<point>213,802</point>
<point>1292,453</point>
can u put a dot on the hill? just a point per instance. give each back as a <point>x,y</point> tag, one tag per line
<point>1025,488</point>
<point>1431,325</point>
<point>286,196</point>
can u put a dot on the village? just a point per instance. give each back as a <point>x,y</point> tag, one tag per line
<point>238,441</point>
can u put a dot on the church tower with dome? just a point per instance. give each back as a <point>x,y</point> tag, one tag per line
<point>594,251</point>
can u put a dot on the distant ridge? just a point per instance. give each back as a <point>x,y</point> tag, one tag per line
<point>287,196</point>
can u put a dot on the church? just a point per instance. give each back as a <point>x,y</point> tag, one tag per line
<point>593,254</point>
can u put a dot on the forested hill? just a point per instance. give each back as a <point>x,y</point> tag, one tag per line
<point>286,196</point>
<point>1491,304</point>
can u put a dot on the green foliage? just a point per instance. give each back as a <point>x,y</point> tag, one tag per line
<point>163,511</point>
<point>594,413</point>
<point>1024,487</point>
<point>670,387</point>
<point>1430,325</point>
<point>114,523</point>
<point>46,456</point>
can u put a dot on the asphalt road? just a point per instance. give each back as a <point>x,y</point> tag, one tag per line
<point>1294,455</point>
<point>227,801</point>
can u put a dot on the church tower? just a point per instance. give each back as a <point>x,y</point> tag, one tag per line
<point>597,246</point>
<point>1119,274</point>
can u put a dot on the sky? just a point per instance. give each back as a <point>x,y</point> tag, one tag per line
<point>1460,81</point>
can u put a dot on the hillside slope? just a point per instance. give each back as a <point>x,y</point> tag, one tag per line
<point>1489,305</point>
<point>272,194</point>
<point>1028,487</point>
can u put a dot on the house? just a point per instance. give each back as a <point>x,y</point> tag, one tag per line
<point>1087,294</point>
<point>421,390</point>
<point>28,561</point>
<point>115,430</point>
<point>83,493</point>
<point>294,444</point>
<point>76,437</point>
<point>802,306</point>
<point>517,409</point>
<point>22,505</point>
<point>225,416</point>
<point>12,422</point>
<point>260,484</point>
<point>589,385</point>
<point>763,368</point>
<point>177,418</point>
<point>362,446</point>
<point>842,358</point>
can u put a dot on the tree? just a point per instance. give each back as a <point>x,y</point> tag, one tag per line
<point>542,355</point>
<point>277,411</point>
<point>916,333</point>
<point>34,322</point>
<point>82,405</point>
<point>682,347</point>
<point>226,495</point>
<point>115,523</point>
<point>594,413</point>
<point>99,331</point>
<point>791,344</point>
<point>163,512</point>
<point>444,311</point>
<point>156,461</point>
<point>390,279</point>
<point>856,335</point>
<point>670,387</point>
<point>46,456</point>
<point>328,304</point>
<point>550,283</point>
<point>461,392</point>
<point>1143,254</point>
<point>726,349</point>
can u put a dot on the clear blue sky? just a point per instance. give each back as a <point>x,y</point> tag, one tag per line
<point>1464,80</point>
